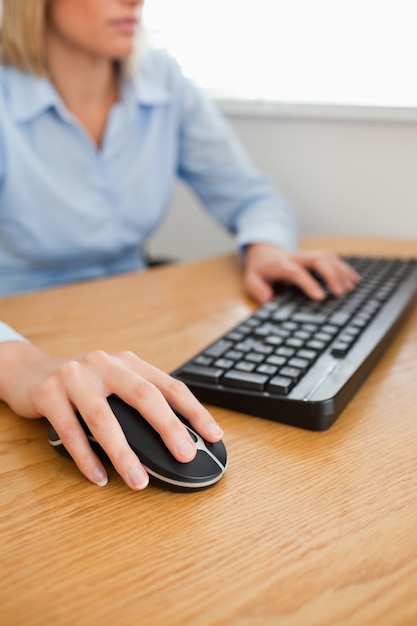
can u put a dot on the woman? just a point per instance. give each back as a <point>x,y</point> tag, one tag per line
<point>89,150</point>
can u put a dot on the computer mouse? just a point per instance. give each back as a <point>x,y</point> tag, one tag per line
<point>204,470</point>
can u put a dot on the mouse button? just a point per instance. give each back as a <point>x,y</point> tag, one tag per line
<point>135,427</point>
<point>144,440</point>
<point>218,450</point>
<point>202,466</point>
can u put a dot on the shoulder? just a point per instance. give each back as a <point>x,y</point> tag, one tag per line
<point>156,61</point>
<point>9,76</point>
<point>25,95</point>
<point>156,67</point>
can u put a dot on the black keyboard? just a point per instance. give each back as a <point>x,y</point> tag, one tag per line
<point>300,362</point>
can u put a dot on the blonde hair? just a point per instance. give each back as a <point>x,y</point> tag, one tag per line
<point>22,40</point>
<point>22,35</point>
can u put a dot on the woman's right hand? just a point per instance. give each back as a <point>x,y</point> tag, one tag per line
<point>35,385</point>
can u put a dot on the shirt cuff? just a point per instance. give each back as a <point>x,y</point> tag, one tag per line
<point>8,334</point>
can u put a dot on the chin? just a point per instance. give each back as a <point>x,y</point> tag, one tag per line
<point>121,52</point>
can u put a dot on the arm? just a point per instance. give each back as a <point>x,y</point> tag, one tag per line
<point>35,385</point>
<point>214,164</point>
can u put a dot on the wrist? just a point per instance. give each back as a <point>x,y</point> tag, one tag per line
<point>16,359</point>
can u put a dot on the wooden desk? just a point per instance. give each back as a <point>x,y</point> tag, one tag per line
<point>304,529</point>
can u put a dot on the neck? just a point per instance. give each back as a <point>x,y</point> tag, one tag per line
<point>87,84</point>
<point>81,80</point>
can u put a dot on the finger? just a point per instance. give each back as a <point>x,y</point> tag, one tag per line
<point>258,287</point>
<point>118,378</point>
<point>100,419</point>
<point>295,273</point>
<point>352,277</point>
<point>61,415</point>
<point>83,387</point>
<point>338,278</point>
<point>338,275</point>
<point>179,397</point>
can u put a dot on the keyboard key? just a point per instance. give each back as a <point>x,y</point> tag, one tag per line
<point>275,340</point>
<point>341,348</point>
<point>232,354</point>
<point>267,369</point>
<point>331,330</point>
<point>340,318</point>
<point>289,326</point>
<point>246,380</point>
<point>326,337</point>
<point>263,349</point>
<point>283,332</point>
<point>235,336</point>
<point>300,364</point>
<point>284,312</point>
<point>294,342</point>
<point>224,364</point>
<point>245,346</point>
<point>218,348</point>
<point>274,359</point>
<point>245,366</point>
<point>351,331</point>
<point>290,372</point>
<point>203,360</point>
<point>280,384</point>
<point>309,355</point>
<point>309,318</point>
<point>311,328</point>
<point>201,373</point>
<point>359,322</point>
<point>283,351</point>
<point>262,331</point>
<point>347,337</point>
<point>255,357</point>
<point>314,344</point>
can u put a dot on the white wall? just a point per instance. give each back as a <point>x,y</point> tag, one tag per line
<point>347,177</point>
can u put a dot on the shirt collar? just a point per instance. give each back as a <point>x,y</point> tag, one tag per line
<point>29,95</point>
<point>148,82</point>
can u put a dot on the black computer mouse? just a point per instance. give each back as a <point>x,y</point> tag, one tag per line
<point>207,467</point>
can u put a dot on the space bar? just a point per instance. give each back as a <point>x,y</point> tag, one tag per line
<point>201,373</point>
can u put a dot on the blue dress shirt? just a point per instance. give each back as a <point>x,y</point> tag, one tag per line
<point>70,211</point>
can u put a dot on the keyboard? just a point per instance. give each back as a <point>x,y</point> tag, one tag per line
<point>299,362</point>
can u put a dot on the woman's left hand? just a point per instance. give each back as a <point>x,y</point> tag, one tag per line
<point>266,264</point>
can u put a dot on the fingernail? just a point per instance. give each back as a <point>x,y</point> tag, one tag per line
<point>138,478</point>
<point>319,294</point>
<point>215,430</point>
<point>186,449</point>
<point>100,478</point>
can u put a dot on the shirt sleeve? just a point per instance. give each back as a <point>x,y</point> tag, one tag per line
<point>1,148</point>
<point>8,334</point>
<point>215,165</point>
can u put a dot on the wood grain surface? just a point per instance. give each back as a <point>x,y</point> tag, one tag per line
<point>308,529</point>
